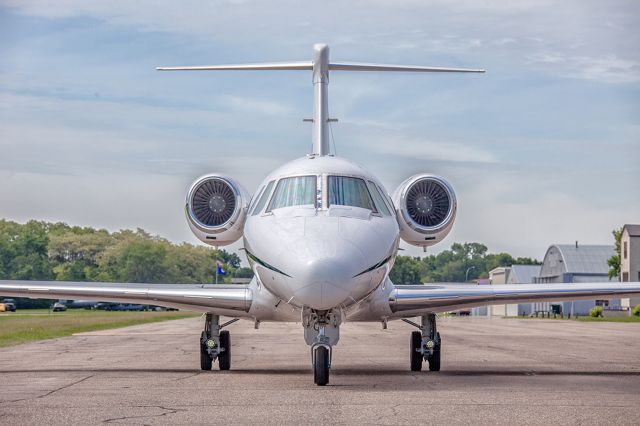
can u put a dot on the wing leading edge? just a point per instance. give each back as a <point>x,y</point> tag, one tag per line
<point>232,300</point>
<point>412,300</point>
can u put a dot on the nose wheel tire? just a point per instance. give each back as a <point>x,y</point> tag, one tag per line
<point>321,366</point>
<point>434,360</point>
<point>416,354</point>
<point>206,361</point>
<point>224,359</point>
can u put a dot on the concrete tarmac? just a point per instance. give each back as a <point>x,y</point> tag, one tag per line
<point>494,371</point>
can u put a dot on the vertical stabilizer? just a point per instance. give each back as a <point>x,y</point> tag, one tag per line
<point>320,100</point>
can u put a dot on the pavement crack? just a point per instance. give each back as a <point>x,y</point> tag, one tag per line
<point>167,411</point>
<point>44,395</point>
<point>188,377</point>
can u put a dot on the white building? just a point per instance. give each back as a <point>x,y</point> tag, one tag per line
<point>514,274</point>
<point>568,263</point>
<point>630,259</point>
<point>523,274</point>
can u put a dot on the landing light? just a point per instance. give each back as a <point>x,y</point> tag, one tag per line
<point>211,343</point>
<point>430,344</point>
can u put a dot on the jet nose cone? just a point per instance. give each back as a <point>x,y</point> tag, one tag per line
<point>325,283</point>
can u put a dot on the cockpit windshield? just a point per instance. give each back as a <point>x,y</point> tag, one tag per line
<point>294,191</point>
<point>349,191</point>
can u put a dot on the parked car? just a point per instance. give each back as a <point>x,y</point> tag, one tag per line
<point>9,305</point>
<point>125,307</point>
<point>59,307</point>
<point>161,308</point>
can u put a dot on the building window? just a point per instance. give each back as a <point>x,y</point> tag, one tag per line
<point>603,303</point>
<point>625,249</point>
<point>625,277</point>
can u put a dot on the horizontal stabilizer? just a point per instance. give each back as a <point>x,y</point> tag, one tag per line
<point>273,66</point>
<point>308,66</point>
<point>355,66</point>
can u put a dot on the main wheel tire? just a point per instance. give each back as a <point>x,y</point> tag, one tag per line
<point>434,360</point>
<point>321,366</point>
<point>224,358</point>
<point>415,356</point>
<point>205,359</point>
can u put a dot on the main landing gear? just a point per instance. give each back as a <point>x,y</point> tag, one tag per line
<point>321,332</point>
<point>215,344</point>
<point>426,344</point>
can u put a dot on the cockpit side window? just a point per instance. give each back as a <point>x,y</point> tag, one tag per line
<point>263,199</point>
<point>294,191</point>
<point>349,191</point>
<point>378,199</point>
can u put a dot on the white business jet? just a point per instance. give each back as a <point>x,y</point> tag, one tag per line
<point>321,235</point>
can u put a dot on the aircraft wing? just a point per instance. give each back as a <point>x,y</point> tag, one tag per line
<point>414,300</point>
<point>229,300</point>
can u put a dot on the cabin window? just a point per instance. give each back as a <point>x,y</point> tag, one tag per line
<point>263,198</point>
<point>294,191</point>
<point>349,191</point>
<point>378,199</point>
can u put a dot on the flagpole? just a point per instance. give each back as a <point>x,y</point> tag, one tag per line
<point>216,267</point>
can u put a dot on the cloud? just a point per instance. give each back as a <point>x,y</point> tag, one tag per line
<point>242,104</point>
<point>598,40</point>
<point>607,69</point>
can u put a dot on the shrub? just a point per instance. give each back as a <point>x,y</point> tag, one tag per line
<point>636,311</point>
<point>596,311</point>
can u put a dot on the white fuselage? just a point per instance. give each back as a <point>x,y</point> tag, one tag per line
<point>311,239</point>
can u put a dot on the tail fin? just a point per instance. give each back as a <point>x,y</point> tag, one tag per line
<point>321,67</point>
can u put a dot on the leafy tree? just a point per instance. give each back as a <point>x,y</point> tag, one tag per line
<point>614,261</point>
<point>23,251</point>
<point>406,270</point>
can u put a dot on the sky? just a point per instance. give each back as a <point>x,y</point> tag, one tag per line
<point>544,148</point>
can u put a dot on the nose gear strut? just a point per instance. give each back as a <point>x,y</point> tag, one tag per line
<point>321,332</point>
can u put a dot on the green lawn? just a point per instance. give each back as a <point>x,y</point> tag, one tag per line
<point>39,324</point>
<point>610,319</point>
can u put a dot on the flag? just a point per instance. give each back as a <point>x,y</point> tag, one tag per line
<point>220,271</point>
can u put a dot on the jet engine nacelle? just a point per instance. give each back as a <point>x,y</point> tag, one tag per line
<point>425,208</point>
<point>216,209</point>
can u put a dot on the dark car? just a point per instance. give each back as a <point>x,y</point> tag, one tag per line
<point>125,307</point>
<point>9,305</point>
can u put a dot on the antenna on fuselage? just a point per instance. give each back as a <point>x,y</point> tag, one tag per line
<point>320,67</point>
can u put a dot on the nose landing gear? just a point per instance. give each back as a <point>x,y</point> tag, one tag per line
<point>215,344</point>
<point>426,344</point>
<point>321,332</point>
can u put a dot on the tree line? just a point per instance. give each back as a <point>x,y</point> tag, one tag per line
<point>463,262</point>
<point>56,251</point>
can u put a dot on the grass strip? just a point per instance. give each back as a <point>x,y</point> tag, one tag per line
<point>32,325</point>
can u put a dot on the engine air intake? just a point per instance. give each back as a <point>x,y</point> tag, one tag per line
<point>428,203</point>
<point>213,202</point>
